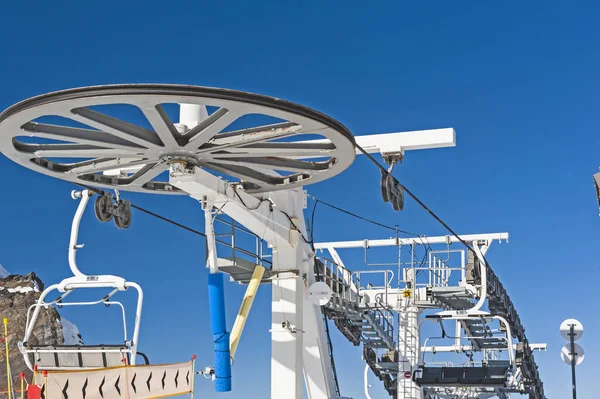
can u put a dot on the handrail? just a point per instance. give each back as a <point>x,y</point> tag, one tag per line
<point>257,256</point>
<point>382,319</point>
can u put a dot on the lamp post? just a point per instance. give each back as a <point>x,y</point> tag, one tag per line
<point>572,353</point>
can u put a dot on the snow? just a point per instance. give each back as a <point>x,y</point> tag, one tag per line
<point>21,290</point>
<point>3,272</point>
<point>71,333</point>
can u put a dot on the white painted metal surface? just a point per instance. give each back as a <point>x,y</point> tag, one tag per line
<point>397,143</point>
<point>298,338</point>
<point>408,350</point>
<point>408,241</point>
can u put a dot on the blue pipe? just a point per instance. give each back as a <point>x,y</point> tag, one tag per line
<point>218,326</point>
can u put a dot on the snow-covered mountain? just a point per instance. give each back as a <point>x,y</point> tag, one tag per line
<point>17,294</point>
<point>70,333</point>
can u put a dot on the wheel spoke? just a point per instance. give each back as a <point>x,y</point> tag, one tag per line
<point>162,125</point>
<point>276,163</point>
<point>210,127</point>
<point>73,151</point>
<point>103,165</point>
<point>291,150</point>
<point>148,172</point>
<point>209,148</point>
<point>256,134</point>
<point>79,135</point>
<point>124,130</point>
<point>243,173</point>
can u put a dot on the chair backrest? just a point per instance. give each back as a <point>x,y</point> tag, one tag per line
<point>72,357</point>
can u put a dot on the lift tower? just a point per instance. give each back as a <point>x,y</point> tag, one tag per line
<point>244,155</point>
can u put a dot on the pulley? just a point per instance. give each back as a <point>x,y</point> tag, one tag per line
<point>391,190</point>
<point>106,209</point>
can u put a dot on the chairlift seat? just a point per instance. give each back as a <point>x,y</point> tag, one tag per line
<point>430,376</point>
<point>71,357</point>
<point>460,376</point>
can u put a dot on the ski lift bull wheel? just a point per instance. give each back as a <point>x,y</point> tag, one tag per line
<point>124,137</point>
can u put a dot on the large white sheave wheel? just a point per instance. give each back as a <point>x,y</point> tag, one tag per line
<point>124,137</point>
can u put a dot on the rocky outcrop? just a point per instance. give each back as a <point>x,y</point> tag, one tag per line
<point>17,294</point>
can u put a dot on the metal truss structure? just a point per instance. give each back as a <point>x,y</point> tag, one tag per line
<point>246,158</point>
<point>480,350</point>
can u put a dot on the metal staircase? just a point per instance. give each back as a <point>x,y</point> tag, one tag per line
<point>481,336</point>
<point>360,321</point>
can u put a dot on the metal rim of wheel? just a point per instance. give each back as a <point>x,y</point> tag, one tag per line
<point>101,206</point>
<point>262,158</point>
<point>384,187</point>
<point>123,219</point>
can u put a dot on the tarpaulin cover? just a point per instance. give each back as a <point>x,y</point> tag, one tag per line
<point>132,382</point>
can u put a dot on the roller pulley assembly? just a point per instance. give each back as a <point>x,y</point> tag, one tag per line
<point>107,209</point>
<point>391,190</point>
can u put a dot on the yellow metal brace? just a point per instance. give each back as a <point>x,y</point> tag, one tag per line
<point>240,320</point>
<point>9,386</point>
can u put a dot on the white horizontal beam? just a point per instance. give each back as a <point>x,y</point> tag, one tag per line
<point>467,348</point>
<point>407,141</point>
<point>391,242</point>
<point>394,143</point>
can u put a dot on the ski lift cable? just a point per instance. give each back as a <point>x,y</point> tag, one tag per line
<point>414,197</point>
<point>146,211</point>
<point>337,208</point>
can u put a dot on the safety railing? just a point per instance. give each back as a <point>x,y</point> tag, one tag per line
<point>338,278</point>
<point>439,272</point>
<point>375,280</point>
<point>248,238</point>
<point>384,318</point>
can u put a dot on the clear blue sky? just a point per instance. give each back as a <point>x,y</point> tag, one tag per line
<point>518,81</point>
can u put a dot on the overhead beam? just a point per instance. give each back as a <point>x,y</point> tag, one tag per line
<point>407,141</point>
<point>390,242</point>
<point>393,143</point>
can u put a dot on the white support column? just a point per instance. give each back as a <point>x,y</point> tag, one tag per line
<point>315,361</point>
<point>298,336</point>
<point>408,351</point>
<point>287,303</point>
<point>318,371</point>
<point>287,326</point>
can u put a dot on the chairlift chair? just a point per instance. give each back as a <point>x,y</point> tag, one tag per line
<point>491,372</point>
<point>81,357</point>
<point>76,357</point>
